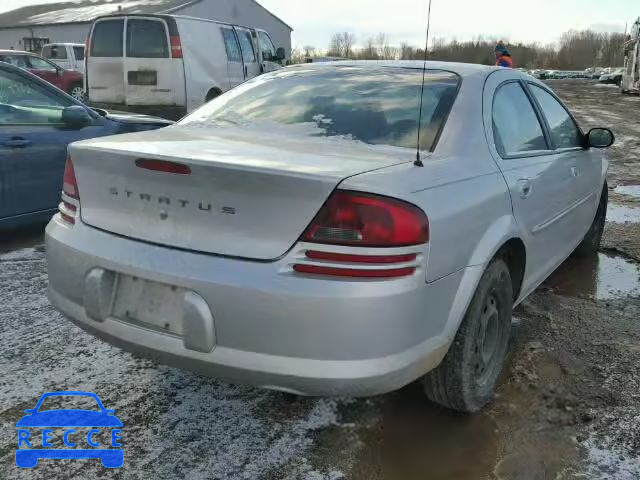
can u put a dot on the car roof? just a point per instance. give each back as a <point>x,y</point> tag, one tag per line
<point>18,52</point>
<point>462,69</point>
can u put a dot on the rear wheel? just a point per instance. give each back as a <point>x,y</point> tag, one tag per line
<point>211,94</point>
<point>77,92</point>
<point>591,242</point>
<point>466,378</point>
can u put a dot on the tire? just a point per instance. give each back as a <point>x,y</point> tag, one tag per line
<point>465,380</point>
<point>77,92</point>
<point>591,242</point>
<point>211,94</point>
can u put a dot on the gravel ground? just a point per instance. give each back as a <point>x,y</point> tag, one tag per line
<point>568,406</point>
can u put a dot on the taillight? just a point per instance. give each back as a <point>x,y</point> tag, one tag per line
<point>163,166</point>
<point>367,220</point>
<point>69,189</point>
<point>176,46</point>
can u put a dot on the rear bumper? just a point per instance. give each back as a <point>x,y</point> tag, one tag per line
<point>303,335</point>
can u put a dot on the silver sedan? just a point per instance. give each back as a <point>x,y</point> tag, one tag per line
<point>307,232</point>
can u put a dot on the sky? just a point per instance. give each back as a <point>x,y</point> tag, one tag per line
<point>543,21</point>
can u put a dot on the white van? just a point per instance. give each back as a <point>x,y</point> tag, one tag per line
<point>69,56</point>
<point>169,65</point>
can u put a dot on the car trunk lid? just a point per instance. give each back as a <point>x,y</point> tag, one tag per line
<point>247,196</point>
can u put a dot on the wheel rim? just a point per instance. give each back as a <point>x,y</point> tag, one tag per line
<point>77,93</point>
<point>487,341</point>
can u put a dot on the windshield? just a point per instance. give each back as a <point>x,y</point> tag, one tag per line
<point>373,105</point>
<point>63,402</point>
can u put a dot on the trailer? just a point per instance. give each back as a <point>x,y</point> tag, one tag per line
<point>631,75</point>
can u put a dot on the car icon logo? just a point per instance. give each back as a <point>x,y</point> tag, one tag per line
<point>81,428</point>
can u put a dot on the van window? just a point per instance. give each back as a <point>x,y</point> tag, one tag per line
<point>147,39</point>
<point>55,52</point>
<point>78,52</point>
<point>266,45</point>
<point>246,44</point>
<point>231,45</point>
<point>106,39</point>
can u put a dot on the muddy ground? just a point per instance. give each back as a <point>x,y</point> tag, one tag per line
<point>568,406</point>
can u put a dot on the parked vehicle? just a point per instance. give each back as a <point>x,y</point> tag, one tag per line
<point>69,56</point>
<point>613,78</point>
<point>630,81</point>
<point>69,81</point>
<point>285,234</point>
<point>37,122</point>
<point>170,65</point>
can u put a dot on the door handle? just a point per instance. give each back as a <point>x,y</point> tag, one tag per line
<point>524,187</point>
<point>574,171</point>
<point>17,142</point>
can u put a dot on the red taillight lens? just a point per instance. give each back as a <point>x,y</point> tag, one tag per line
<point>354,272</point>
<point>162,166</point>
<point>367,220</point>
<point>372,259</point>
<point>176,47</point>
<point>70,189</point>
<point>69,183</point>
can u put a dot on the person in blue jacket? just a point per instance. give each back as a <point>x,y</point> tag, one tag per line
<point>503,57</point>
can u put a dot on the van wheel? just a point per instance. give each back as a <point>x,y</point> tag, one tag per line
<point>77,92</point>
<point>466,378</point>
<point>591,242</point>
<point>211,94</point>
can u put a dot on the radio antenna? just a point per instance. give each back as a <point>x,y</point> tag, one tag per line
<point>418,162</point>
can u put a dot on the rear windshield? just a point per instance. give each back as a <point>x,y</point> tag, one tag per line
<point>106,39</point>
<point>78,52</point>
<point>147,39</point>
<point>373,105</point>
<point>55,52</point>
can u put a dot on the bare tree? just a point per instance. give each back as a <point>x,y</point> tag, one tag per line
<point>348,42</point>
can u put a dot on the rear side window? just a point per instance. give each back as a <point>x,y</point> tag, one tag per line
<point>147,39</point>
<point>246,44</point>
<point>516,127</point>
<point>564,132</point>
<point>55,52</point>
<point>106,39</point>
<point>78,52</point>
<point>17,60</point>
<point>231,45</point>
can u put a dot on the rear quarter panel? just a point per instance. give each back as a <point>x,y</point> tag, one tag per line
<point>459,188</point>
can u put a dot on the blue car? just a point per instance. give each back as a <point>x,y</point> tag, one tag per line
<point>32,447</point>
<point>37,122</point>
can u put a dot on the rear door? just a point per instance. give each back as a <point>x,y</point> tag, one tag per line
<point>539,181</point>
<point>585,165</point>
<point>154,75</point>
<point>235,66</point>
<point>249,54</point>
<point>105,61</point>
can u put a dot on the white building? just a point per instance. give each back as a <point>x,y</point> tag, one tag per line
<point>28,28</point>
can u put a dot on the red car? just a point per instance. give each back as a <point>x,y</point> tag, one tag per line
<point>69,81</point>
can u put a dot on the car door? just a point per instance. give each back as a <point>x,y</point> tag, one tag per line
<point>235,67</point>
<point>267,52</point>
<point>33,144</point>
<point>104,76</point>
<point>249,56</point>
<point>586,166</point>
<point>539,181</point>
<point>45,69</point>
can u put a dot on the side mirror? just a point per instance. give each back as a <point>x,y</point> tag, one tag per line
<point>280,54</point>
<point>60,72</point>
<point>600,138</point>
<point>76,116</point>
<point>30,410</point>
